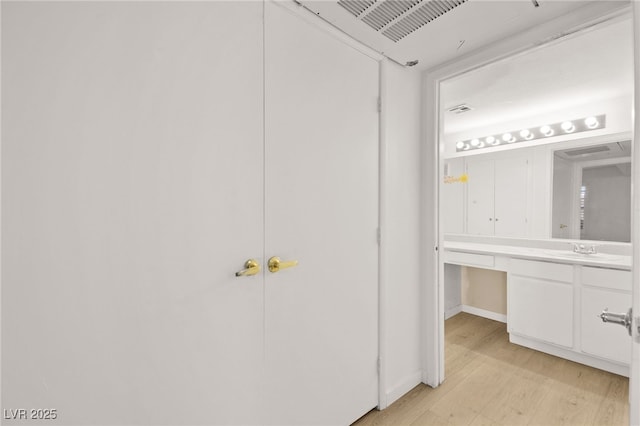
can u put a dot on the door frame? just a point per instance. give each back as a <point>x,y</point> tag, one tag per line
<point>433,308</point>
<point>634,382</point>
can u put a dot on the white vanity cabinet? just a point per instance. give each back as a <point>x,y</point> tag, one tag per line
<point>554,301</point>
<point>497,200</point>
<point>604,288</point>
<point>540,301</point>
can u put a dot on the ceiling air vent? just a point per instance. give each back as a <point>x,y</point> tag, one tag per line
<point>459,109</point>
<point>356,7</point>
<point>396,19</point>
<point>590,150</point>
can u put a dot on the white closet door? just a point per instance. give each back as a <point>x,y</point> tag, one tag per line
<point>132,164</point>
<point>321,210</point>
<point>511,201</point>
<point>480,196</point>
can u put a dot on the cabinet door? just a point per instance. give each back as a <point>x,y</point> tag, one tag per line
<point>132,169</point>
<point>321,210</point>
<point>601,339</point>
<point>541,309</point>
<point>511,200</point>
<point>480,195</point>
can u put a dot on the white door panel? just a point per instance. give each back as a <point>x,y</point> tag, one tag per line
<point>480,196</point>
<point>321,210</point>
<point>511,176</point>
<point>132,191</point>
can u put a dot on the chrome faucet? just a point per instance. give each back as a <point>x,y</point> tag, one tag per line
<point>582,249</point>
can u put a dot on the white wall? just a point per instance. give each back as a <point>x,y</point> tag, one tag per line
<point>400,230</point>
<point>452,289</point>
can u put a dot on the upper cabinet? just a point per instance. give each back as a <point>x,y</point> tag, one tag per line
<point>497,195</point>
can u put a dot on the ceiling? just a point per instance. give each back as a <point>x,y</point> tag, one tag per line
<point>588,67</point>
<point>433,32</point>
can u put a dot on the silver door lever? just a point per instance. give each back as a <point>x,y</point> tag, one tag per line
<point>622,319</point>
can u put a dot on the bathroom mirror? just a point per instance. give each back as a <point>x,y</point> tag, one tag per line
<point>592,192</point>
<point>496,113</point>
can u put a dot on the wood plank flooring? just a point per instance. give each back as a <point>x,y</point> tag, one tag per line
<point>490,381</point>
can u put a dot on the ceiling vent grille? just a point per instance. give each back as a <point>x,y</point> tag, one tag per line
<point>356,7</point>
<point>396,19</point>
<point>386,12</point>
<point>459,109</point>
<point>591,150</point>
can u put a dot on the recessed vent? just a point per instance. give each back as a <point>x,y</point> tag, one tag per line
<point>459,109</point>
<point>590,150</point>
<point>396,19</point>
<point>620,149</point>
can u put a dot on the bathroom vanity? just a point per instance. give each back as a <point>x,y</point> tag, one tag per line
<point>555,296</point>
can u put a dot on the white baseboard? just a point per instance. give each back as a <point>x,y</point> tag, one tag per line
<point>403,387</point>
<point>612,367</point>
<point>485,314</point>
<point>452,311</point>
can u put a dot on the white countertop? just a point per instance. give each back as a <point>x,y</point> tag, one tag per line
<point>603,260</point>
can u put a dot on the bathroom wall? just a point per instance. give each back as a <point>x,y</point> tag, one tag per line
<point>485,290</point>
<point>452,289</point>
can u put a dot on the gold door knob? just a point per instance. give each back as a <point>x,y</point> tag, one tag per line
<point>251,267</point>
<point>275,264</point>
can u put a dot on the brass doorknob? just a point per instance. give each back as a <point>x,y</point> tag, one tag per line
<point>251,267</point>
<point>275,264</point>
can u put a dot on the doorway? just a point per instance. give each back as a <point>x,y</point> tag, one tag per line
<point>501,61</point>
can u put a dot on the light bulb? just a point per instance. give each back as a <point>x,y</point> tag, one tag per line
<point>591,122</point>
<point>546,130</point>
<point>460,145</point>
<point>475,142</point>
<point>526,134</point>
<point>490,140</point>
<point>568,126</point>
<point>508,137</point>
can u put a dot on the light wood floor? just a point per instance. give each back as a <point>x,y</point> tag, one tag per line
<point>490,381</point>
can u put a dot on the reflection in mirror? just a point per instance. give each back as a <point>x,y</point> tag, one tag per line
<point>586,74</point>
<point>592,193</point>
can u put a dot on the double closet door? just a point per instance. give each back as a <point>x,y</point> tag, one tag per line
<point>150,149</point>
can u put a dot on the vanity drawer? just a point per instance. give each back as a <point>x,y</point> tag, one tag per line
<point>606,278</point>
<point>469,259</point>
<point>544,270</point>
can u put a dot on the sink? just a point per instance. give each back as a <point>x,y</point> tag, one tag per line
<point>580,256</point>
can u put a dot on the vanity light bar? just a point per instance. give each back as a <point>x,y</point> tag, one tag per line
<point>542,132</point>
